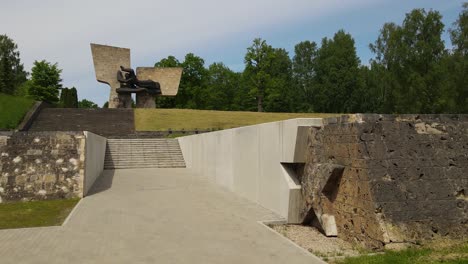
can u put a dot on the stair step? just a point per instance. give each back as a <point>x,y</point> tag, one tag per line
<point>143,153</point>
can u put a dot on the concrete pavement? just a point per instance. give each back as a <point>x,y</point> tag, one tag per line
<point>155,216</point>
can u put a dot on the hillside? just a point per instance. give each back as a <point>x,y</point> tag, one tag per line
<point>12,110</point>
<point>188,119</point>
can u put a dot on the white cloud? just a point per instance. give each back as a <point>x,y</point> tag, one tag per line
<point>60,31</point>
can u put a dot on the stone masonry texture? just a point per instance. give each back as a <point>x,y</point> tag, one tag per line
<point>41,165</point>
<point>405,178</point>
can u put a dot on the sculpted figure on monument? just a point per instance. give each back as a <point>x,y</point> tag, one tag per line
<point>129,83</point>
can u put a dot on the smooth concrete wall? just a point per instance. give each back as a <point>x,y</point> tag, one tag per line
<point>95,149</point>
<point>247,161</point>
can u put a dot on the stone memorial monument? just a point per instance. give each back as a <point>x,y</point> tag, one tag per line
<point>112,66</point>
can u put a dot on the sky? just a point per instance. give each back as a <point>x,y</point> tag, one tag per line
<point>60,31</point>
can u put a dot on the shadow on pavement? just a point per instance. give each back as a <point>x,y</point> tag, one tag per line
<point>103,183</point>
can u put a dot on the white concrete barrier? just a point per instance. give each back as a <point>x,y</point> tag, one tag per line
<point>248,161</point>
<point>95,151</point>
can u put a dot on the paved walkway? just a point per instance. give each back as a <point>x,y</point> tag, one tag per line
<point>155,216</point>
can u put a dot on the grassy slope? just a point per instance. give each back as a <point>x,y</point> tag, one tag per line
<point>453,253</point>
<point>177,119</point>
<point>12,110</point>
<point>36,213</point>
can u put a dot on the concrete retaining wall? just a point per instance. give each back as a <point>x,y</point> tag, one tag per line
<point>95,150</point>
<point>248,161</point>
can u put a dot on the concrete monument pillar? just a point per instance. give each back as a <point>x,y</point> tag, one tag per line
<point>107,61</point>
<point>145,100</point>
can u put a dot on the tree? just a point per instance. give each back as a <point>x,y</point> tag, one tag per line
<point>64,95</point>
<point>170,61</point>
<point>458,63</point>
<point>193,83</point>
<point>87,104</point>
<point>268,76</point>
<point>73,98</point>
<point>257,63</point>
<point>106,105</point>
<point>303,74</point>
<point>45,82</point>
<point>222,86</point>
<point>459,34</point>
<point>412,55</point>
<point>167,102</point>
<point>68,98</point>
<point>192,87</point>
<point>279,91</point>
<point>337,74</point>
<point>12,73</point>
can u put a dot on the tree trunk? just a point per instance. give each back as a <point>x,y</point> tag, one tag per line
<point>260,103</point>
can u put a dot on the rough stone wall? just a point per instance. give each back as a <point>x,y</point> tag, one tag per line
<point>41,165</point>
<point>404,178</point>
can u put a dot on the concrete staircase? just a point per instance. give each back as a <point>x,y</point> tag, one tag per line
<point>143,153</point>
<point>104,122</point>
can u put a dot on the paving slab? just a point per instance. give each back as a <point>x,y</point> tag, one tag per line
<point>156,216</point>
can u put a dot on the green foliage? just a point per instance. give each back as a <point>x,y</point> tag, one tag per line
<point>73,98</point>
<point>193,82</point>
<point>257,65</point>
<point>221,87</point>
<point>106,105</point>
<point>170,61</point>
<point>192,88</point>
<point>167,102</point>
<point>279,90</point>
<point>12,73</point>
<point>453,254</point>
<point>12,110</point>
<point>337,75</point>
<point>412,55</point>
<point>412,72</point>
<point>36,213</point>
<point>304,74</point>
<point>23,89</point>
<point>68,98</point>
<point>87,104</point>
<point>459,34</point>
<point>268,75</point>
<point>64,95</point>
<point>458,62</point>
<point>45,82</point>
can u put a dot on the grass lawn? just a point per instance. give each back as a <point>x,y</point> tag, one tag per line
<point>12,110</point>
<point>36,213</point>
<point>177,119</point>
<point>454,253</point>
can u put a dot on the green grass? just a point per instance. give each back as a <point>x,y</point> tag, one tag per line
<point>35,213</point>
<point>455,253</point>
<point>12,110</point>
<point>178,119</point>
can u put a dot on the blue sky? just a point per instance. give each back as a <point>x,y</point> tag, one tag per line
<point>216,30</point>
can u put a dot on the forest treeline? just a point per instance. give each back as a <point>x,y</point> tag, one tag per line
<point>412,71</point>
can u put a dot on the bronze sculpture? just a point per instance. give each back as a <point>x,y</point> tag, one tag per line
<point>129,83</point>
<point>112,67</point>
